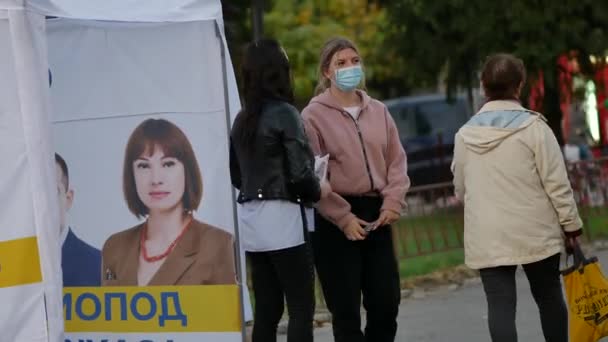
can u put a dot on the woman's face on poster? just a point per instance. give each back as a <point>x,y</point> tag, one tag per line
<point>160,180</point>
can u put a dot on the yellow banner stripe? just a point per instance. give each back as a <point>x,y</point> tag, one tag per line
<point>152,309</point>
<point>19,262</point>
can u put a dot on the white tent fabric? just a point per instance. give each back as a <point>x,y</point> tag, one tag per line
<point>138,11</point>
<point>130,10</point>
<point>24,23</point>
<point>29,116</point>
<point>95,55</point>
<point>141,11</point>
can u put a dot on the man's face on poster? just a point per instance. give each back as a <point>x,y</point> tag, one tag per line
<point>65,196</point>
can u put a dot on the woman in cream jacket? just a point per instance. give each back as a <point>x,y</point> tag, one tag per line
<point>510,174</point>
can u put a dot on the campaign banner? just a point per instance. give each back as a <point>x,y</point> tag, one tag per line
<point>146,208</point>
<point>190,313</point>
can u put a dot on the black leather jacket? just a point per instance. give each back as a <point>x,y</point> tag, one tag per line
<point>280,165</point>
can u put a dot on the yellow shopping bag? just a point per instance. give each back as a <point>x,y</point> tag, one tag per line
<point>587,296</point>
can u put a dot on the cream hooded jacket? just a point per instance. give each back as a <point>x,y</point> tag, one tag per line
<point>510,174</point>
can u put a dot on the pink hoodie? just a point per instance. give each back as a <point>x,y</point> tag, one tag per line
<point>365,155</point>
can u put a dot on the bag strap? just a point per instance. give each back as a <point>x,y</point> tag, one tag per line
<point>578,255</point>
<point>580,260</point>
<point>304,223</point>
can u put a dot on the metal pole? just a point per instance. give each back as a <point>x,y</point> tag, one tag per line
<point>258,19</point>
<point>237,240</point>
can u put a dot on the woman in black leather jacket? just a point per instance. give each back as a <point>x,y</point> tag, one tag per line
<point>272,165</point>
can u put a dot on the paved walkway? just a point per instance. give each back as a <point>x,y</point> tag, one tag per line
<point>448,315</point>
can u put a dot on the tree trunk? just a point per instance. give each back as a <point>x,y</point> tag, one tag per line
<point>257,19</point>
<point>470,91</point>
<point>551,102</point>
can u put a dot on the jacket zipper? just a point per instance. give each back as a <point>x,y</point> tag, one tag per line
<point>369,172</point>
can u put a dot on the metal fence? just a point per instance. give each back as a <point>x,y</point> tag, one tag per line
<point>434,222</point>
<point>589,179</point>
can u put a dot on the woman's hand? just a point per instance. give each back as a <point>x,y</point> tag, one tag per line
<point>354,230</point>
<point>571,242</point>
<point>572,239</point>
<point>386,217</point>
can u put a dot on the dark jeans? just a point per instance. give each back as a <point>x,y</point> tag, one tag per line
<point>544,278</point>
<point>289,274</point>
<point>348,269</point>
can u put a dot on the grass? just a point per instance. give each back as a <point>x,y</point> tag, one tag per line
<point>426,264</point>
<point>418,235</point>
<point>427,243</point>
<point>595,222</point>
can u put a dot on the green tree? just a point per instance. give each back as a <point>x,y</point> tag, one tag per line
<point>237,24</point>
<point>452,37</point>
<point>303,26</point>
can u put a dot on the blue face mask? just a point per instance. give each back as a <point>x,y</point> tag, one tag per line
<point>347,79</point>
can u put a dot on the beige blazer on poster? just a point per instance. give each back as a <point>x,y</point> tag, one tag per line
<point>204,255</point>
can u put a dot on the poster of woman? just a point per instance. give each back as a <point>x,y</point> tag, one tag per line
<point>162,183</point>
<point>144,133</point>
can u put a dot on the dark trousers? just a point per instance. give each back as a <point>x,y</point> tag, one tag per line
<point>544,279</point>
<point>348,269</point>
<point>289,274</point>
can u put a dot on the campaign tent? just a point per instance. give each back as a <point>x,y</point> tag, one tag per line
<point>77,76</point>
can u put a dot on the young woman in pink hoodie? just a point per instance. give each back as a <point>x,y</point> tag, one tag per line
<point>367,171</point>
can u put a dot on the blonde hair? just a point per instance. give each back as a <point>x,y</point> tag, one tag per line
<point>330,48</point>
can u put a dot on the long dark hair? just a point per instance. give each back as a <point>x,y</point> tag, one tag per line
<point>266,76</point>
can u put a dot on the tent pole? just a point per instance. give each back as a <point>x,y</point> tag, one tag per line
<point>237,241</point>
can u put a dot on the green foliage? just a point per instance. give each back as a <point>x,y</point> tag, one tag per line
<point>454,36</point>
<point>461,33</point>
<point>303,26</point>
<point>237,24</point>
